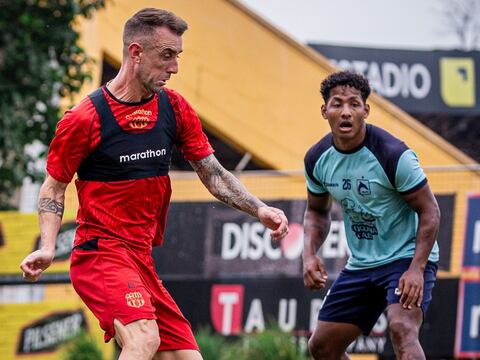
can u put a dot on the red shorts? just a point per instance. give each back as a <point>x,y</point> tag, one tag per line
<point>116,282</point>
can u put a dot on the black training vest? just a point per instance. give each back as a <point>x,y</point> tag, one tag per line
<point>122,155</point>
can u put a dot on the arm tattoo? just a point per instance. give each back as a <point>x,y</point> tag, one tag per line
<point>47,205</point>
<point>225,186</point>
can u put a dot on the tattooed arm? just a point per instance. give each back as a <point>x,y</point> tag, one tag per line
<point>228,189</point>
<point>50,212</point>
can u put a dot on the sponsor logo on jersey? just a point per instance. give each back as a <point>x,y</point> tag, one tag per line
<point>327,184</point>
<point>362,223</point>
<point>135,299</point>
<point>143,155</point>
<point>139,118</point>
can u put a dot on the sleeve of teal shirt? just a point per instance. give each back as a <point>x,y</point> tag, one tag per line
<point>409,175</point>
<point>314,186</point>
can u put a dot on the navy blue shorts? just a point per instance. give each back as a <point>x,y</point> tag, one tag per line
<point>360,296</point>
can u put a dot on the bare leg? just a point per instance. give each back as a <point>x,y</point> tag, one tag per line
<point>139,340</point>
<point>330,340</point>
<point>404,328</point>
<point>178,355</point>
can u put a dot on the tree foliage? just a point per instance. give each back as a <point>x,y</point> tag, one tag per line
<point>40,62</point>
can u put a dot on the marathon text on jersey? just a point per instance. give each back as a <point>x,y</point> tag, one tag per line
<point>143,155</point>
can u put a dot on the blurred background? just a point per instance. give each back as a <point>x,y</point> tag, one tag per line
<point>252,70</point>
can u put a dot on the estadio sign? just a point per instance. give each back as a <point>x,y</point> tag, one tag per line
<point>419,82</point>
<point>392,80</point>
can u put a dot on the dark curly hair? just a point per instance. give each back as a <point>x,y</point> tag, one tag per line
<point>348,78</point>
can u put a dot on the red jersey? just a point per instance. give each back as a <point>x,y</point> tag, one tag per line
<point>132,210</point>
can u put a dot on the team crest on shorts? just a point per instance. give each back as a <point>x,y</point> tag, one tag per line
<point>134,299</point>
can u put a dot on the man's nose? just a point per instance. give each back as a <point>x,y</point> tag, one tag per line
<point>173,66</point>
<point>346,112</point>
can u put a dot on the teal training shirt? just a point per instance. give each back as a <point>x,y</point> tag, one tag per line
<point>368,182</point>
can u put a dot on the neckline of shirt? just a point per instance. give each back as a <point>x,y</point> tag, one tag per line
<point>356,148</point>
<point>133,103</point>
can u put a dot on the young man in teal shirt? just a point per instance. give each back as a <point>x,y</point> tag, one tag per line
<point>391,220</point>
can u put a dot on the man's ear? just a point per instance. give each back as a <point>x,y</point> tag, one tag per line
<point>367,110</point>
<point>324,111</point>
<point>135,51</point>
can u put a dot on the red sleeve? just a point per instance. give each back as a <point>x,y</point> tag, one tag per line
<point>74,139</point>
<point>191,139</point>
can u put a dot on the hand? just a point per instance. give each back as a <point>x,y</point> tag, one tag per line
<point>275,220</point>
<point>410,288</point>
<point>314,274</point>
<point>35,263</point>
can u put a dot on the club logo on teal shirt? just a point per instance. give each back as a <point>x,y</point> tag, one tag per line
<point>363,187</point>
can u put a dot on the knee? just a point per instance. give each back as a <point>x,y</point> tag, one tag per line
<point>402,331</point>
<point>319,348</point>
<point>142,340</point>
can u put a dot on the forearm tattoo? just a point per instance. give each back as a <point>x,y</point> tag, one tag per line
<point>47,205</point>
<point>225,186</point>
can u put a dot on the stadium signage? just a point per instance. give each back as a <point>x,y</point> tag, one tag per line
<point>64,241</point>
<point>49,332</point>
<point>373,343</point>
<point>392,80</point>
<point>233,313</point>
<point>227,309</point>
<point>252,241</point>
<point>471,252</point>
<point>468,320</point>
<point>419,82</point>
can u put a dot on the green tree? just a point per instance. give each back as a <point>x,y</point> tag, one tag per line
<point>40,62</point>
